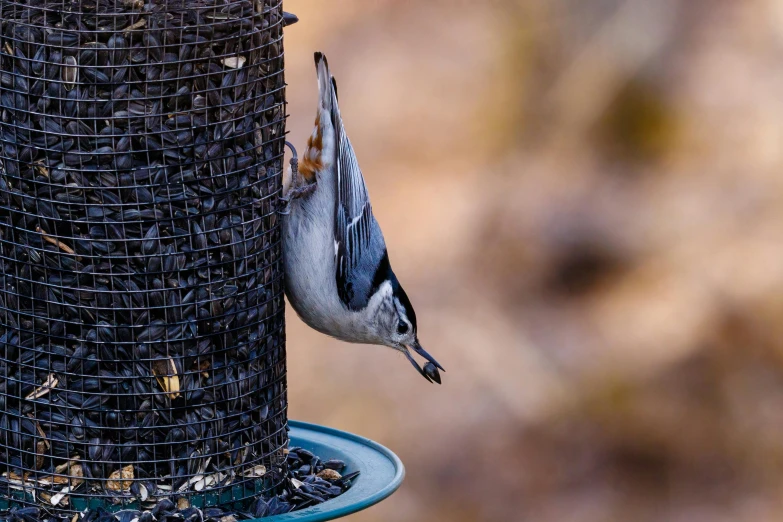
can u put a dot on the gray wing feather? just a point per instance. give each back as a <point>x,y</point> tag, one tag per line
<point>359,241</point>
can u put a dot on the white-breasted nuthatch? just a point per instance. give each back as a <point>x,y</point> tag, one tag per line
<point>337,272</point>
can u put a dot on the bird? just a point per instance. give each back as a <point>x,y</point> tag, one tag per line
<point>338,277</point>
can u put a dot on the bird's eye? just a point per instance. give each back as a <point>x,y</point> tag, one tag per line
<point>402,328</point>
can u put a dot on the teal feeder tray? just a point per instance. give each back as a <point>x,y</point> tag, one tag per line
<point>381,471</point>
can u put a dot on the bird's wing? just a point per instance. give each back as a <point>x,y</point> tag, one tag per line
<point>359,244</point>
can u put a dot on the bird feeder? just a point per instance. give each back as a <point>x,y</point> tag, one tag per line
<point>142,343</point>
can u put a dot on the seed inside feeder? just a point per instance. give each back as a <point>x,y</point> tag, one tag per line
<point>234,62</point>
<point>166,373</point>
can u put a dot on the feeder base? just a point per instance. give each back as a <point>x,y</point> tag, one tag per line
<point>381,471</point>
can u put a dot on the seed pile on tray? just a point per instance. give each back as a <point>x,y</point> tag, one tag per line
<point>313,482</point>
<point>141,314</point>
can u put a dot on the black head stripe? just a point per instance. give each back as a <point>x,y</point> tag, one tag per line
<point>384,273</point>
<point>405,302</point>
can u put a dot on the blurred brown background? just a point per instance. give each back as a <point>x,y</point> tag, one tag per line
<point>584,201</point>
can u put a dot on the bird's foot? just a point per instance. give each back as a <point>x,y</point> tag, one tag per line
<point>301,191</point>
<point>296,191</point>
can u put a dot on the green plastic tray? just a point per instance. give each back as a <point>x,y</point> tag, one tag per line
<point>381,475</point>
<point>381,471</point>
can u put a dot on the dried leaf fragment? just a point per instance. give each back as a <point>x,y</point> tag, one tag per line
<point>203,368</point>
<point>56,499</point>
<point>193,480</point>
<point>120,480</point>
<point>255,471</point>
<point>203,467</point>
<point>40,451</point>
<point>76,474</point>
<point>46,387</point>
<point>166,374</point>
<point>204,482</point>
<point>138,25</point>
<point>59,244</point>
<point>329,474</point>
<point>40,430</point>
<point>40,168</point>
<point>57,479</point>
<point>258,137</point>
<point>42,445</point>
<point>62,467</point>
<point>13,477</point>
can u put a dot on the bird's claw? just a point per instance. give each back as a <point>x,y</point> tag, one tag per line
<point>300,192</point>
<point>294,157</point>
<point>286,199</point>
<point>295,193</point>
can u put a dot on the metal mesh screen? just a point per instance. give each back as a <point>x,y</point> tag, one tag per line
<point>141,313</point>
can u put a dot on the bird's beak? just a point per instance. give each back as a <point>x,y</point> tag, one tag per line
<point>430,376</point>
<point>416,347</point>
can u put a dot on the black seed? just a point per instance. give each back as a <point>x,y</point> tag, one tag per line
<point>335,464</point>
<point>431,371</point>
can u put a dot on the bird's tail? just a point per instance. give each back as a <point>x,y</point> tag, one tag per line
<point>322,143</point>
<point>327,87</point>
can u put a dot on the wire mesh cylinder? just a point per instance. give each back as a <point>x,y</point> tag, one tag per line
<point>142,347</point>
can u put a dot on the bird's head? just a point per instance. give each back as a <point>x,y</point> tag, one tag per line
<point>399,330</point>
